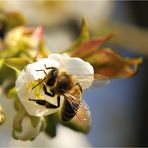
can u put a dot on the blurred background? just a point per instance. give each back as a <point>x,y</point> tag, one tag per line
<point>120,110</point>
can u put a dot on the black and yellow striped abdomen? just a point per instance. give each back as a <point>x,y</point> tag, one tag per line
<point>69,110</point>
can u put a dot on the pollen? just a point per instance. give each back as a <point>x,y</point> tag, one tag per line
<point>37,90</point>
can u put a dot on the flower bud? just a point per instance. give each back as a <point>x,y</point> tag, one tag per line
<point>27,127</point>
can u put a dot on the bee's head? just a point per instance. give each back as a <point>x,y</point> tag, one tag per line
<point>64,83</point>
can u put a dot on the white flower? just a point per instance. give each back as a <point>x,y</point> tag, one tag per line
<point>28,131</point>
<point>29,76</point>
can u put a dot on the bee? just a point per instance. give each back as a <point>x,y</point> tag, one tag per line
<point>69,86</point>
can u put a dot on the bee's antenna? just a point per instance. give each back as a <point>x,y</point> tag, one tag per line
<point>42,70</point>
<point>38,83</point>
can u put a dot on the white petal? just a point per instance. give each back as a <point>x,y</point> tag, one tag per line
<point>72,65</point>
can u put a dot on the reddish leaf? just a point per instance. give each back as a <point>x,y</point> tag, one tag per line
<point>105,61</point>
<point>90,46</point>
<point>109,63</point>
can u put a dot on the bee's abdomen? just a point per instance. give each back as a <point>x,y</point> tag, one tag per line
<point>69,110</point>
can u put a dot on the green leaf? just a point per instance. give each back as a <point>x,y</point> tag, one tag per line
<point>8,52</point>
<point>51,123</point>
<point>17,64</point>
<point>84,30</point>
<point>84,36</point>
<point>6,74</point>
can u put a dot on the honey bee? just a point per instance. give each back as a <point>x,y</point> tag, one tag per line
<point>61,83</point>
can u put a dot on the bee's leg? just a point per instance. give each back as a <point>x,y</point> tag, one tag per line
<point>51,94</point>
<point>40,102</point>
<point>49,67</point>
<point>47,104</point>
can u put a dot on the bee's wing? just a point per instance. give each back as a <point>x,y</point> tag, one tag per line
<point>83,116</point>
<point>74,97</point>
<point>92,80</point>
